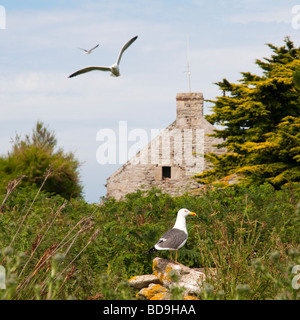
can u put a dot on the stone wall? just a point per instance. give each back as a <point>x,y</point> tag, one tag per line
<point>172,158</point>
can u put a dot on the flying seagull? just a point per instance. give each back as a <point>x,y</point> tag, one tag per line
<point>89,51</point>
<point>174,238</point>
<point>114,69</point>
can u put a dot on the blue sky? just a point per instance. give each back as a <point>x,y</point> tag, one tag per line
<point>39,49</point>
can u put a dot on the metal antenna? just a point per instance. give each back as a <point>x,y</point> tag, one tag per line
<point>188,64</point>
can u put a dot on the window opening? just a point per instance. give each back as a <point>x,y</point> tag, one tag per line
<point>166,172</point>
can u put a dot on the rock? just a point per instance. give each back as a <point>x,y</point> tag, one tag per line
<point>170,273</point>
<point>154,292</point>
<point>140,282</point>
<point>167,275</point>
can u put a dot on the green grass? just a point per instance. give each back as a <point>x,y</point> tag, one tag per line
<point>57,249</point>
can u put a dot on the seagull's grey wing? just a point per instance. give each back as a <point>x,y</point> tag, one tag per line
<point>94,47</point>
<point>171,239</point>
<point>88,69</point>
<point>126,45</point>
<point>82,49</point>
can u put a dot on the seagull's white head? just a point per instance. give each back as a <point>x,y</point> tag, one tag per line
<point>186,212</point>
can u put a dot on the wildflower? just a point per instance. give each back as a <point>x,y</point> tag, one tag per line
<point>59,257</point>
<point>208,288</point>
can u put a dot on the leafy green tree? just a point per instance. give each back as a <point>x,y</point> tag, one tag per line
<point>261,119</point>
<point>33,156</point>
<point>296,77</point>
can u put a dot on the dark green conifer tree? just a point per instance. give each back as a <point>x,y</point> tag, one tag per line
<point>261,119</point>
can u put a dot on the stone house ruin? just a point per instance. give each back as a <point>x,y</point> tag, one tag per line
<point>173,157</point>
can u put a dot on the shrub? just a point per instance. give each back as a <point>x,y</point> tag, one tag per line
<point>33,155</point>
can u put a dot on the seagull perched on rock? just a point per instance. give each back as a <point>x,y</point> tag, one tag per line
<point>89,51</point>
<point>176,237</point>
<point>114,69</point>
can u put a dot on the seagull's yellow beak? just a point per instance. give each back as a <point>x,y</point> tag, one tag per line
<point>192,214</point>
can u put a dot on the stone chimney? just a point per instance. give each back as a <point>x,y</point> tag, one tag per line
<point>189,109</point>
